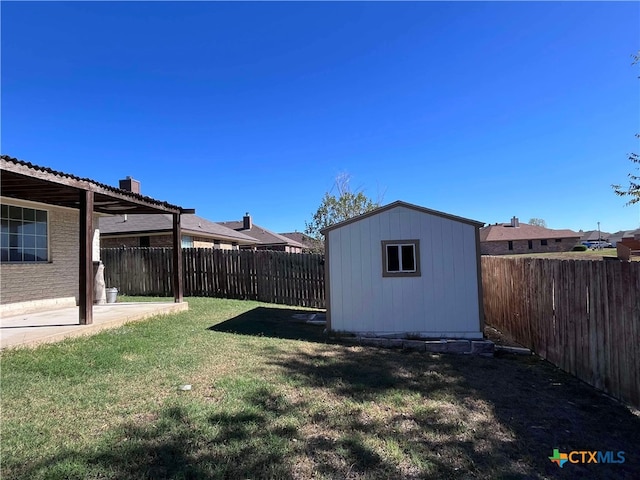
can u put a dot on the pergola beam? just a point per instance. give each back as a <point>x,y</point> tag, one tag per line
<point>85,284</point>
<point>177,259</point>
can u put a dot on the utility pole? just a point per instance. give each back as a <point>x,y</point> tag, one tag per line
<point>599,237</point>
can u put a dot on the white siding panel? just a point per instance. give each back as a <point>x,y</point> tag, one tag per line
<point>336,283</point>
<point>438,272</point>
<point>356,257</point>
<point>365,279</point>
<point>346,265</point>
<point>385,317</point>
<point>380,302</point>
<point>471,277</point>
<point>451,261</point>
<point>459,290</point>
<point>426,266</point>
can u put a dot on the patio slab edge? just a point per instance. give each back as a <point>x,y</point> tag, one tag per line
<point>72,331</point>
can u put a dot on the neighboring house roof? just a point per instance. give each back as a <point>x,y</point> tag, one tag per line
<point>501,232</point>
<point>296,236</point>
<point>397,204</point>
<point>190,225</point>
<point>593,235</point>
<point>262,235</point>
<point>299,237</point>
<point>631,233</point>
<point>22,179</point>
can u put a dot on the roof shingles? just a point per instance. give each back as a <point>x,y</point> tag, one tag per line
<point>262,235</point>
<point>505,231</point>
<point>190,224</point>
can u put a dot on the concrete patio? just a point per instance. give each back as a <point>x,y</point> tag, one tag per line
<point>48,326</point>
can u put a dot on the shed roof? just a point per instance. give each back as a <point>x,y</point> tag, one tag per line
<point>27,181</point>
<point>190,225</point>
<point>399,203</point>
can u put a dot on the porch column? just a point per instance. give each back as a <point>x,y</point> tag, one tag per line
<point>177,259</point>
<point>85,284</point>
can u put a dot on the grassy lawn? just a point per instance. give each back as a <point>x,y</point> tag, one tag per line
<point>597,254</point>
<point>271,398</point>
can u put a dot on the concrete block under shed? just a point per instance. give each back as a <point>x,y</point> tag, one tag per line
<point>418,345</point>
<point>395,342</point>
<point>458,346</point>
<point>375,342</point>
<point>436,346</point>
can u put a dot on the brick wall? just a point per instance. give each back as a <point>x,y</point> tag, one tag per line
<point>522,246</point>
<point>119,242</point>
<point>27,282</point>
<point>154,241</point>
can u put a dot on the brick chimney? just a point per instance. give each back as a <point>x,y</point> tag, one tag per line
<point>130,185</point>
<point>246,222</point>
<point>515,222</point>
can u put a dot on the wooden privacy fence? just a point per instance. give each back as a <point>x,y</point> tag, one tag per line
<point>267,276</point>
<point>583,316</point>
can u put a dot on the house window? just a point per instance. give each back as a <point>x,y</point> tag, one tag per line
<point>543,242</point>
<point>558,240</point>
<point>401,258</point>
<point>510,244</point>
<point>530,244</point>
<point>187,241</point>
<point>145,241</point>
<point>24,236</point>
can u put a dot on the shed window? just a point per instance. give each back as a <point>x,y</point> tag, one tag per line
<point>25,234</point>
<point>401,258</point>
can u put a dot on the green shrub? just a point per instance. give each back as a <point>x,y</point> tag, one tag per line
<point>579,248</point>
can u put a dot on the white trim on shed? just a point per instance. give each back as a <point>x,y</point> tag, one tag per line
<point>443,301</point>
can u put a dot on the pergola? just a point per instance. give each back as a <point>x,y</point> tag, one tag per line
<point>25,181</point>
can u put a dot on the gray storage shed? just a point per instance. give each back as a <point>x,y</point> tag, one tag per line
<point>404,270</point>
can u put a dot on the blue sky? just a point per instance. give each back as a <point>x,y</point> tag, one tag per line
<point>482,110</point>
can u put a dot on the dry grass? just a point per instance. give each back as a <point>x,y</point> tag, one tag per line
<point>597,254</point>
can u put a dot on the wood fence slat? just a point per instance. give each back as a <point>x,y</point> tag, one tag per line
<point>623,380</point>
<point>634,336</point>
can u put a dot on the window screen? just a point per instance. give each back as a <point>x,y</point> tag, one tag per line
<point>393,258</point>
<point>408,258</point>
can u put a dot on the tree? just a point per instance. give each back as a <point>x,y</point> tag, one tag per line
<point>633,189</point>
<point>538,222</point>
<point>337,208</point>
